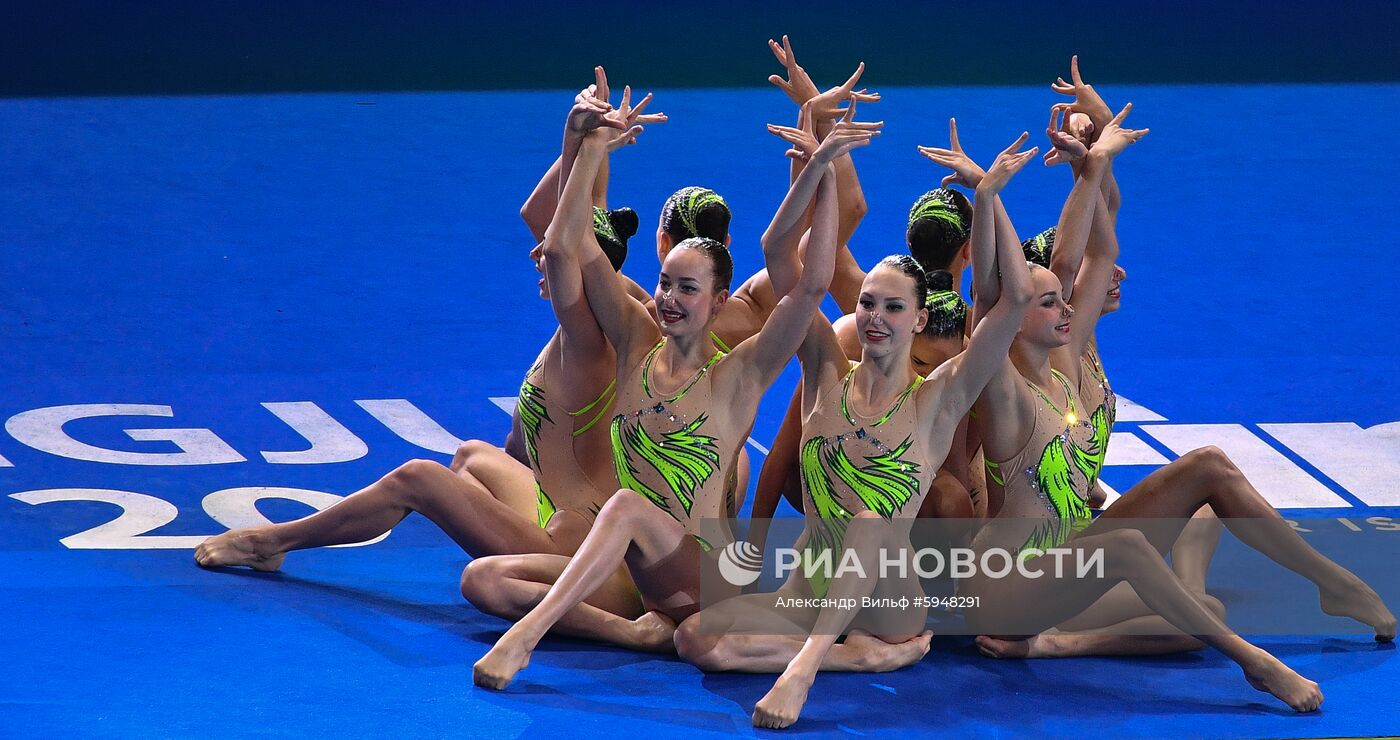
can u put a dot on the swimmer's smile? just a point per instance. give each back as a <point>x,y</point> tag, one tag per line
<point>670,315</point>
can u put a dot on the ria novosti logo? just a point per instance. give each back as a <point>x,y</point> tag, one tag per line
<point>741,563</point>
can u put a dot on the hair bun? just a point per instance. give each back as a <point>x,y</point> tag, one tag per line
<point>625,222</point>
<point>940,280</point>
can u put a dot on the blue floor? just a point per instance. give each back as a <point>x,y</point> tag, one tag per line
<point>207,256</point>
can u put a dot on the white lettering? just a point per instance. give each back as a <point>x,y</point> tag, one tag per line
<point>850,564</point>
<point>42,429</point>
<point>330,441</point>
<point>414,426</point>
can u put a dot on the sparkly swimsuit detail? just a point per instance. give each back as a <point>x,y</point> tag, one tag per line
<point>661,451</point>
<point>536,420</point>
<point>1060,475</point>
<point>1098,395</point>
<point>863,466</point>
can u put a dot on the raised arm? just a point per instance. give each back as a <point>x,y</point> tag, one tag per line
<point>758,360</point>
<point>571,252</point>
<point>1004,414</point>
<point>780,239</point>
<point>823,110</point>
<point>964,377</point>
<point>969,174</point>
<point>590,107</point>
<point>1098,115</point>
<point>1102,248</point>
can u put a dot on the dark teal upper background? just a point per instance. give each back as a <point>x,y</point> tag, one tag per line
<point>76,47</point>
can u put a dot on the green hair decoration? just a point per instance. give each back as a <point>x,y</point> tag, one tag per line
<point>689,201</point>
<point>938,205</point>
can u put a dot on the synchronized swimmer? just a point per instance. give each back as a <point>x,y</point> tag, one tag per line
<point>626,448</point>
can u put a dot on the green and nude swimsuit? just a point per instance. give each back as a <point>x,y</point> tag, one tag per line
<point>560,483</point>
<point>1047,483</point>
<point>851,464</point>
<point>1098,395</point>
<point>665,450</point>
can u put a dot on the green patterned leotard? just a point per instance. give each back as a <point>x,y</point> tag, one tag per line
<point>665,450</point>
<point>1046,484</point>
<point>851,464</point>
<point>553,436</point>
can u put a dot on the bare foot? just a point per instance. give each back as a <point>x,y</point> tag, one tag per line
<point>1035,646</point>
<point>239,547</point>
<point>884,656</point>
<point>1354,599</point>
<point>782,704</point>
<point>498,667</point>
<point>654,632</point>
<point>1268,674</point>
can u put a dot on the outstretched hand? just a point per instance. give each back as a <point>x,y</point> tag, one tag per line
<point>827,106</point>
<point>847,134</point>
<point>1007,164</point>
<point>802,137</point>
<point>798,85</point>
<point>965,171</point>
<point>1065,146</point>
<point>1114,138</point>
<point>1086,100</point>
<point>591,107</point>
<point>631,118</point>
<point>621,126</point>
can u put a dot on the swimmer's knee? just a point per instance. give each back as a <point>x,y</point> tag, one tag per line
<point>408,482</point>
<point>1210,602</point>
<point>696,647</point>
<point>1212,461</point>
<point>467,452</point>
<point>481,584</point>
<point>623,508</point>
<point>1128,552</point>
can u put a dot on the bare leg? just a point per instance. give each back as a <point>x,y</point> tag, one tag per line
<point>778,478</point>
<point>479,522</point>
<point>947,498</point>
<point>1129,556</point>
<point>749,634</point>
<point>1054,644</point>
<point>782,705</point>
<point>661,556</point>
<point>1194,549</point>
<point>1108,633</point>
<point>1191,556</point>
<point>1206,476</point>
<point>510,586</point>
<point>502,475</point>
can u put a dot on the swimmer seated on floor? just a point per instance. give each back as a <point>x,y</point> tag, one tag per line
<point>1038,449</point>
<point>673,439</point>
<point>876,432</point>
<point>489,503</point>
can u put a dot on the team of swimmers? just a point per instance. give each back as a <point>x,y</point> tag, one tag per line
<point>607,507</point>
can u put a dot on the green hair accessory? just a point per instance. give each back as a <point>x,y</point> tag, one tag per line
<point>938,205</point>
<point>1038,248</point>
<point>603,227</point>
<point>947,313</point>
<point>688,203</point>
